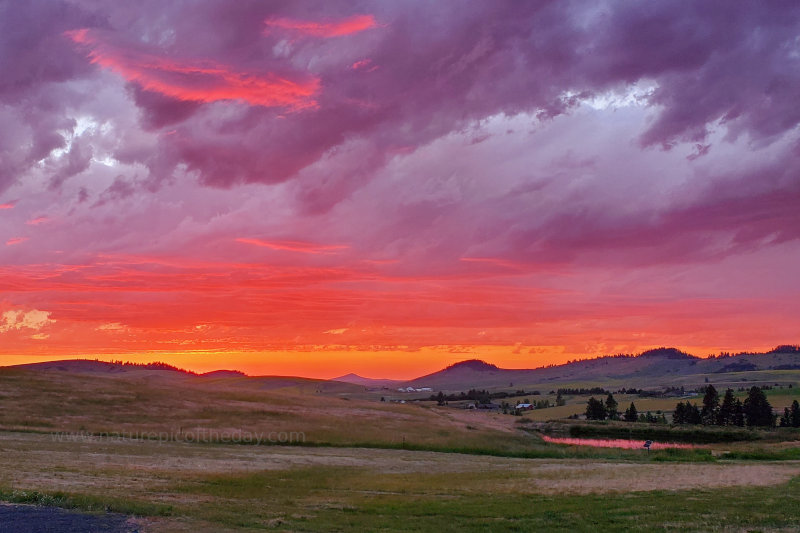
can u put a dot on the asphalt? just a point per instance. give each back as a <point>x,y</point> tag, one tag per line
<point>35,519</point>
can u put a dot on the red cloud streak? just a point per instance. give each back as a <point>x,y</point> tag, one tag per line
<point>347,26</point>
<point>294,246</point>
<point>197,81</point>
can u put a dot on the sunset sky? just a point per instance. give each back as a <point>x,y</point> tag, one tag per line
<point>317,188</point>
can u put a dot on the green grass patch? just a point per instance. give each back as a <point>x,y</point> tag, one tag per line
<point>339,499</point>
<point>637,431</point>
<point>85,502</point>
<point>786,454</point>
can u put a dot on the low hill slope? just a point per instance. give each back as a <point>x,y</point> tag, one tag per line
<point>355,379</point>
<point>230,408</point>
<point>661,366</point>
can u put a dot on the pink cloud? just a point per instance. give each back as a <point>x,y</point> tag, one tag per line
<point>195,80</point>
<point>364,64</point>
<point>594,221</point>
<point>293,246</point>
<point>348,26</point>
<point>16,240</point>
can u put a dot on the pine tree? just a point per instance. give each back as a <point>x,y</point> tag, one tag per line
<point>630,414</point>
<point>786,419</point>
<point>757,410</point>
<point>727,411</point>
<point>710,411</point>
<point>693,415</point>
<point>560,400</point>
<point>738,417</point>
<point>794,413</point>
<point>679,416</point>
<point>595,410</point>
<point>611,407</point>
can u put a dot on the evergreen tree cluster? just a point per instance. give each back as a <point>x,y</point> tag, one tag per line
<point>631,415</point>
<point>686,413</point>
<point>480,396</point>
<point>791,416</point>
<point>668,391</point>
<point>658,418</point>
<point>755,411</point>
<point>576,392</point>
<point>599,410</point>
<point>608,410</point>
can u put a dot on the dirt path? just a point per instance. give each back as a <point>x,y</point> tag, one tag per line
<point>34,519</point>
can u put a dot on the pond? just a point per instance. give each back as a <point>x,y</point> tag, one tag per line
<point>614,443</point>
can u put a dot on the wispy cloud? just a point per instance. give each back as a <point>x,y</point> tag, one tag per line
<point>348,26</point>
<point>295,246</point>
<point>37,221</point>
<point>196,80</point>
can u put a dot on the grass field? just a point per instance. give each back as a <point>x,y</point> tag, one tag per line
<point>362,466</point>
<point>576,404</point>
<point>183,487</point>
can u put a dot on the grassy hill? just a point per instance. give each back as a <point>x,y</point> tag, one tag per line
<point>177,404</point>
<point>654,368</point>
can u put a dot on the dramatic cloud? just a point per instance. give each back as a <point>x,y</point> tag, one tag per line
<point>536,177</point>
<point>199,81</point>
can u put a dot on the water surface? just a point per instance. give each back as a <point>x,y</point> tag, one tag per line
<point>614,443</point>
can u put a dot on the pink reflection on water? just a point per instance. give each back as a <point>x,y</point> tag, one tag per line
<point>614,443</point>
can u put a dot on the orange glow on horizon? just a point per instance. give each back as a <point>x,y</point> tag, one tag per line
<point>327,364</point>
<point>323,315</point>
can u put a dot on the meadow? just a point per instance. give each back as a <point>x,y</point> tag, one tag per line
<point>130,444</point>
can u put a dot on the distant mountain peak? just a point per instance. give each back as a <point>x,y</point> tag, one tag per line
<point>355,379</point>
<point>473,364</point>
<point>351,375</point>
<point>666,353</point>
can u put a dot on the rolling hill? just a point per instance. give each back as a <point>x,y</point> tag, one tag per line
<point>376,383</point>
<point>658,367</point>
<point>652,368</point>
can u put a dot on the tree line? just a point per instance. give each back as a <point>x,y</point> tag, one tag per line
<point>791,416</point>
<point>480,396</point>
<point>609,410</point>
<point>754,411</point>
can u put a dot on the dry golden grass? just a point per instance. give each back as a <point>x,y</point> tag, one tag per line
<point>190,408</point>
